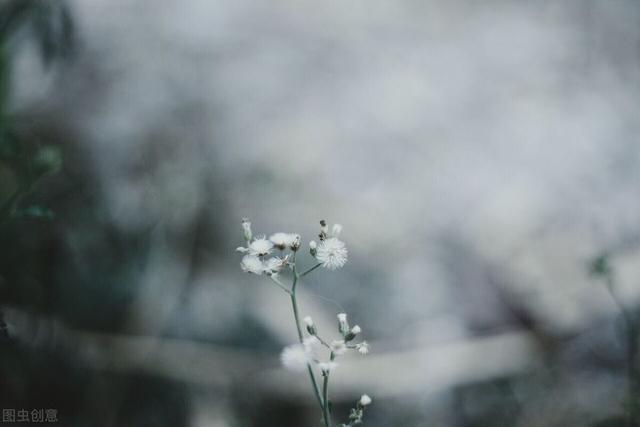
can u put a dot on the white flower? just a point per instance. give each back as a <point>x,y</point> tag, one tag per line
<point>338,347</point>
<point>295,357</point>
<point>336,230</point>
<point>332,253</point>
<point>279,240</point>
<point>285,240</point>
<point>308,321</point>
<point>342,317</point>
<point>356,330</point>
<point>363,348</point>
<point>274,265</point>
<point>327,367</point>
<point>365,400</point>
<point>251,264</point>
<point>260,247</point>
<point>313,248</point>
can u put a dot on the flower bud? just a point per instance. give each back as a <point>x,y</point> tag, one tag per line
<point>246,226</point>
<point>364,401</point>
<point>295,244</point>
<point>313,248</point>
<point>352,333</point>
<point>343,325</point>
<point>311,327</point>
<point>324,229</point>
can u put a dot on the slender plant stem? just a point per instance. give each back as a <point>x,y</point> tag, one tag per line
<point>325,395</point>
<point>296,316</point>
<point>632,328</point>
<point>310,270</point>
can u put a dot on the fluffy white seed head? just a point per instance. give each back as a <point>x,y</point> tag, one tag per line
<point>356,330</point>
<point>332,253</point>
<point>279,240</point>
<point>260,247</point>
<point>295,357</point>
<point>252,264</point>
<point>365,400</point>
<point>274,265</point>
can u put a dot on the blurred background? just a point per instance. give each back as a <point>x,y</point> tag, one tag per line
<point>481,156</point>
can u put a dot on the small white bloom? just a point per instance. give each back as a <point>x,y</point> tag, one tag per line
<point>356,330</point>
<point>308,321</point>
<point>336,230</point>
<point>327,367</point>
<point>279,240</point>
<point>338,347</point>
<point>295,357</point>
<point>285,240</point>
<point>365,400</point>
<point>313,244</point>
<point>260,247</point>
<point>251,264</point>
<point>332,253</point>
<point>363,348</point>
<point>342,317</point>
<point>274,265</point>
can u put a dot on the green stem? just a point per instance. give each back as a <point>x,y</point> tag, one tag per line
<point>296,315</point>
<point>632,328</point>
<point>325,396</point>
<point>310,270</point>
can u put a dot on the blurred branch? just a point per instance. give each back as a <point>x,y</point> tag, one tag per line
<point>394,373</point>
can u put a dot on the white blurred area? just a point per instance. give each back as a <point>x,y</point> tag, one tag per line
<point>478,155</point>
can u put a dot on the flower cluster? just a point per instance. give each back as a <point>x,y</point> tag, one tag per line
<point>331,253</point>
<point>313,343</point>
<point>273,256</point>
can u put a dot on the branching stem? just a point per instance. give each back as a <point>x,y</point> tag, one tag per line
<point>296,316</point>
